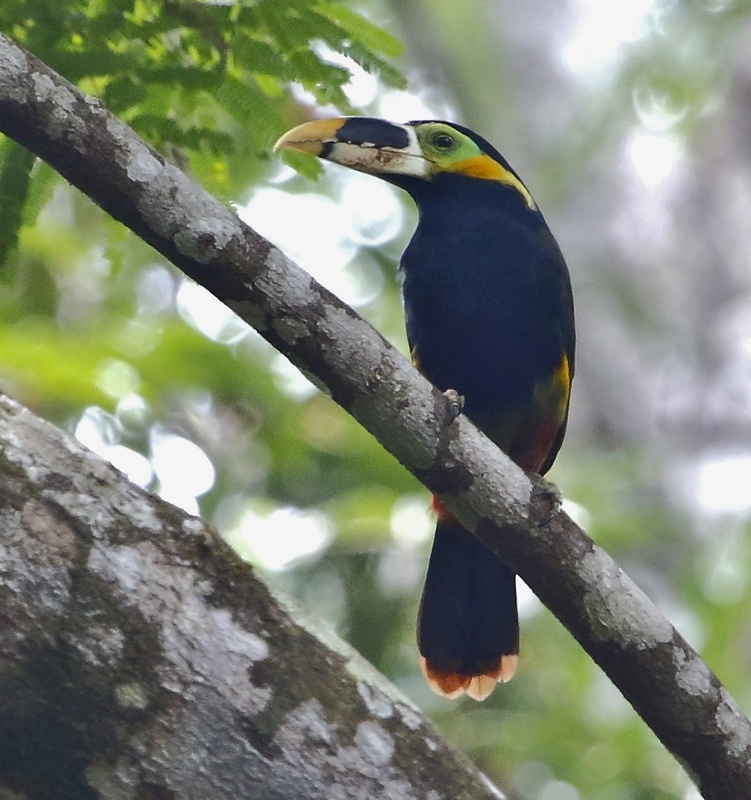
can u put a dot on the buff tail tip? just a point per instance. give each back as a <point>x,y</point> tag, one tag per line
<point>478,687</point>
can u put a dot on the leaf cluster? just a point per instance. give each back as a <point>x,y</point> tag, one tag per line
<point>90,323</point>
<point>207,84</point>
<point>180,72</point>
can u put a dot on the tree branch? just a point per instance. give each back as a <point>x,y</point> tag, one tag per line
<point>517,517</point>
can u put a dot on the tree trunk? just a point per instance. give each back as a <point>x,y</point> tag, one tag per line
<point>142,659</point>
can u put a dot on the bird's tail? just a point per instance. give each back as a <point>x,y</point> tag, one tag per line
<point>468,628</point>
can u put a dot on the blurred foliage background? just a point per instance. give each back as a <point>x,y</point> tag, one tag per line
<point>630,121</point>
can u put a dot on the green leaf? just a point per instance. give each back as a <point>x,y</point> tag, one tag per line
<point>259,56</point>
<point>370,36</point>
<point>15,178</point>
<point>306,165</point>
<point>244,100</point>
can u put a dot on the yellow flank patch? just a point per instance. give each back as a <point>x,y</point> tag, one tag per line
<point>552,394</point>
<point>561,385</point>
<point>488,169</point>
<point>413,356</point>
<point>562,375</point>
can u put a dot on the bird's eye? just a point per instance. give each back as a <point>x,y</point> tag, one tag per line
<point>443,141</point>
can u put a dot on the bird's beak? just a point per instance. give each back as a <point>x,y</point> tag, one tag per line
<point>366,144</point>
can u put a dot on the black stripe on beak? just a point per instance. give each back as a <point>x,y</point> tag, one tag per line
<point>373,132</point>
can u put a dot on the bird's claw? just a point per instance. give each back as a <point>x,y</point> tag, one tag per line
<point>454,403</point>
<point>552,495</point>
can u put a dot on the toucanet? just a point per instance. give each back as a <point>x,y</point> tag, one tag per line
<point>489,315</point>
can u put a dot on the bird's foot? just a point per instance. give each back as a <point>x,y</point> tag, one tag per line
<point>454,403</point>
<point>550,500</point>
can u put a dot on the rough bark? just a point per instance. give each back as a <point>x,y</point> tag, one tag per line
<point>518,517</point>
<point>140,658</point>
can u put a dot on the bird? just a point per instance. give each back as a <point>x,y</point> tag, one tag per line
<point>489,319</point>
